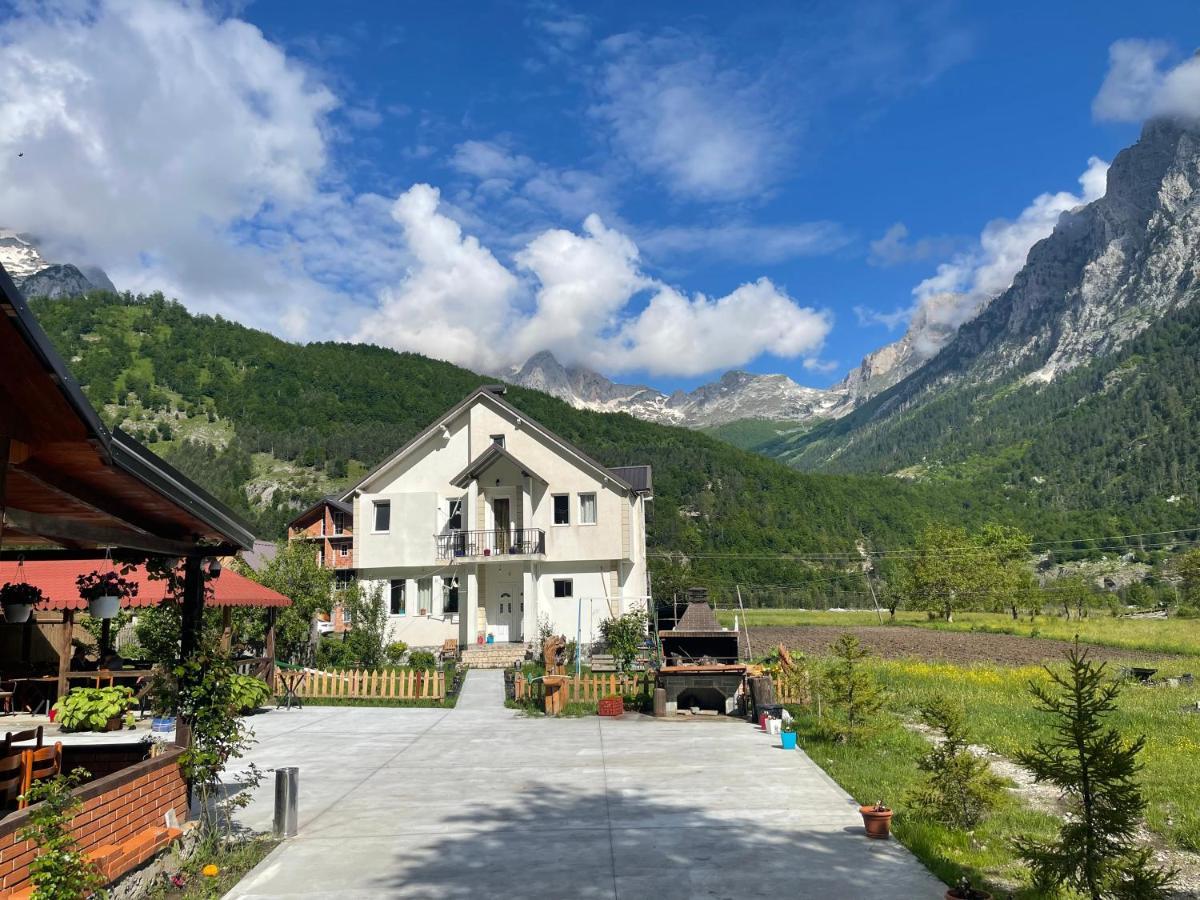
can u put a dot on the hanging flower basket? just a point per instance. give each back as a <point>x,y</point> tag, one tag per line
<point>104,591</point>
<point>18,600</point>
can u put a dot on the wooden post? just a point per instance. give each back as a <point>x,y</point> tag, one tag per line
<point>226,628</point>
<point>269,645</point>
<point>64,651</point>
<point>193,608</point>
<point>105,639</point>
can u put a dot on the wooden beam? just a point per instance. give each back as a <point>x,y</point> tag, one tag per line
<point>84,495</point>
<point>269,645</point>
<point>57,529</point>
<point>192,613</point>
<point>117,554</point>
<point>226,628</point>
<point>64,651</point>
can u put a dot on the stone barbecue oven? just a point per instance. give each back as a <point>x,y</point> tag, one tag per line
<point>702,669</point>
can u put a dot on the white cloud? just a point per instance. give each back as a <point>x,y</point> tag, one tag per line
<point>1137,85</point>
<point>709,130</point>
<point>962,287</point>
<point>895,247</point>
<point>581,299</point>
<point>184,152</point>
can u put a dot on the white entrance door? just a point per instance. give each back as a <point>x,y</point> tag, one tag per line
<point>509,611</point>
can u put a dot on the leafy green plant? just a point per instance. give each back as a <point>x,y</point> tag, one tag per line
<point>395,652</point>
<point>852,690</point>
<point>247,692</point>
<point>91,709</point>
<point>105,584</point>
<point>624,636</point>
<point>789,725</point>
<point>960,789</point>
<point>1095,852</point>
<point>422,659</point>
<point>209,705</point>
<point>61,868</point>
<point>20,592</point>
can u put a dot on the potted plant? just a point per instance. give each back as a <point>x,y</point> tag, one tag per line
<point>93,709</point>
<point>787,735</point>
<point>877,820</point>
<point>18,600</point>
<point>963,891</point>
<point>103,591</point>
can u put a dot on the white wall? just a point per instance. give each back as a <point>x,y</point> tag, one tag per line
<point>414,629</point>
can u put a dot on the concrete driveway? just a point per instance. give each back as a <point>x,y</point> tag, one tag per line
<point>480,802</point>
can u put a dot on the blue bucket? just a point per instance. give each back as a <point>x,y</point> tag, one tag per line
<point>787,740</point>
<point>162,723</point>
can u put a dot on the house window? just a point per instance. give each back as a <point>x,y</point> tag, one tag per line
<point>344,550</point>
<point>563,587</point>
<point>454,514</point>
<point>383,515</point>
<point>339,523</point>
<point>398,596</point>
<point>449,595</point>
<point>498,440</point>
<point>347,616</point>
<point>587,509</point>
<point>342,580</point>
<point>562,509</point>
<point>424,594</point>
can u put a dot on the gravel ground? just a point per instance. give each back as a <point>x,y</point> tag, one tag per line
<point>898,642</point>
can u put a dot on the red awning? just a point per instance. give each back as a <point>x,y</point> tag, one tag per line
<point>57,577</point>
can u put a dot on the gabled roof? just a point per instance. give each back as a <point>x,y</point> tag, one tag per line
<point>492,454</point>
<point>639,477</point>
<point>73,482</point>
<point>491,393</point>
<point>331,501</point>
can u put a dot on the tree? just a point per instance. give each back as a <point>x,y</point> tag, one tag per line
<point>953,570</point>
<point>960,788</point>
<point>851,689</point>
<point>1073,593</point>
<point>1187,567</point>
<point>295,574</point>
<point>1094,852</point>
<point>624,636</point>
<point>367,639</point>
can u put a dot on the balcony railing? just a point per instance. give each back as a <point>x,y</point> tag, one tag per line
<point>493,542</point>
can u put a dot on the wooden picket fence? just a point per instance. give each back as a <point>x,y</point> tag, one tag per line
<point>367,684</point>
<point>587,687</point>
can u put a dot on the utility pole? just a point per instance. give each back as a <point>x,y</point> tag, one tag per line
<point>867,567</point>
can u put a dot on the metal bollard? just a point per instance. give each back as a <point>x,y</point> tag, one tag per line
<point>287,800</point>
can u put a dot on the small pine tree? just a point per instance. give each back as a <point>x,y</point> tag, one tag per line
<point>1096,770</point>
<point>960,789</point>
<point>851,690</point>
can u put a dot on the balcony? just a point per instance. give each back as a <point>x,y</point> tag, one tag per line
<point>499,542</point>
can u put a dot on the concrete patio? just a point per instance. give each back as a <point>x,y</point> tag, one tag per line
<point>480,801</point>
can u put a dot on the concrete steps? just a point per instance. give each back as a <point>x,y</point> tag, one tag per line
<point>493,656</point>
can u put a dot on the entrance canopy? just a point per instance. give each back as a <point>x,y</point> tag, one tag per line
<point>71,483</point>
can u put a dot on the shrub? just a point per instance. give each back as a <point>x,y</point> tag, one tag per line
<point>395,652</point>
<point>334,653</point>
<point>422,659</point>
<point>90,709</point>
<point>851,690</point>
<point>1095,852</point>
<point>960,789</point>
<point>624,636</point>
<point>61,868</point>
<point>247,692</point>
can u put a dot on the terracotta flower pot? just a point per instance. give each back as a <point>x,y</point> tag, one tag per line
<point>878,822</point>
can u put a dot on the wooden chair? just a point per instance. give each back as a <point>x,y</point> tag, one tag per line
<point>449,649</point>
<point>7,689</point>
<point>19,737</point>
<point>44,762</point>
<point>12,778</point>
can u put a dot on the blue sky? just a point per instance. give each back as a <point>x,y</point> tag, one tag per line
<point>422,175</point>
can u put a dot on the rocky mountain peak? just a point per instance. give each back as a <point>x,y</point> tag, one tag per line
<point>38,277</point>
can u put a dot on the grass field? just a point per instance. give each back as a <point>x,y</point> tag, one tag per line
<point>1002,717</point>
<point>1150,635</point>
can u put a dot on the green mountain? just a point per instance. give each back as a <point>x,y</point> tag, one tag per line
<point>269,426</point>
<point>1074,391</point>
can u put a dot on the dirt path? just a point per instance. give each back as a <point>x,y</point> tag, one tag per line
<point>899,641</point>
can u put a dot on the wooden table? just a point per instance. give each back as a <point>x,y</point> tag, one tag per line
<point>291,684</point>
<point>35,680</point>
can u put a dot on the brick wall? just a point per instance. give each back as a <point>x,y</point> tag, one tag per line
<point>116,808</point>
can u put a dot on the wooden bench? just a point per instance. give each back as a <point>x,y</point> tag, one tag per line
<point>449,650</point>
<point>603,662</point>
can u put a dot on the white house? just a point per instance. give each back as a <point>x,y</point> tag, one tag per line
<point>487,524</point>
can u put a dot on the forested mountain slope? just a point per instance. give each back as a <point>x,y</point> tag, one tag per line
<point>1075,389</point>
<point>269,425</point>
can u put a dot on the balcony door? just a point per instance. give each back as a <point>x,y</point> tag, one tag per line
<point>502,519</point>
